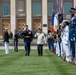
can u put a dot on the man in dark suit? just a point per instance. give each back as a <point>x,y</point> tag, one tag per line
<point>27,35</point>
<point>16,41</point>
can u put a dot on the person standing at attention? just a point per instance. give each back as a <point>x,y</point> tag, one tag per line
<point>65,41</point>
<point>72,34</point>
<point>50,40</point>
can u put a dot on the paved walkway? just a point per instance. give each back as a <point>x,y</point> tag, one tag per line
<point>22,47</point>
<point>20,43</point>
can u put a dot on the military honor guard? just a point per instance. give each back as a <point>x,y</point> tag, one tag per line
<point>65,41</point>
<point>58,41</point>
<point>28,36</point>
<point>72,34</point>
<point>6,40</point>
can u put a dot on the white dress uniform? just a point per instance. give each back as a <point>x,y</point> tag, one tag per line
<point>6,47</point>
<point>57,46</point>
<point>66,44</point>
<point>61,43</point>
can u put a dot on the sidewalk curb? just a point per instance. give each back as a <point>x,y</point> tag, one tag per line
<point>22,47</point>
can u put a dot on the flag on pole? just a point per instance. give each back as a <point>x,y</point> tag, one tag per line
<point>54,6</point>
<point>60,11</point>
<point>56,21</point>
<point>53,12</point>
<point>55,15</point>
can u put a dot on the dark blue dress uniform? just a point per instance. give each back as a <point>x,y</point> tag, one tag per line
<point>28,36</point>
<point>72,35</point>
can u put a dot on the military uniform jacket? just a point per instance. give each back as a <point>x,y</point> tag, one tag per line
<point>65,35</point>
<point>72,29</point>
<point>27,35</point>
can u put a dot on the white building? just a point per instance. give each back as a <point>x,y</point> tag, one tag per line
<point>15,14</point>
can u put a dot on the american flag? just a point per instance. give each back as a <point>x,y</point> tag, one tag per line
<point>57,14</point>
<point>54,14</point>
<point>54,10</point>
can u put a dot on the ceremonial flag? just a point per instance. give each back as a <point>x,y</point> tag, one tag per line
<point>60,11</point>
<point>53,11</point>
<point>54,6</point>
<point>55,14</point>
<point>56,22</point>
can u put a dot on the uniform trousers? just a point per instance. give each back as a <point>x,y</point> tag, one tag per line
<point>51,46</point>
<point>75,52</point>
<point>72,47</point>
<point>6,47</point>
<point>40,49</point>
<point>66,51</point>
<point>15,46</point>
<point>58,48</point>
<point>27,48</point>
<point>61,49</point>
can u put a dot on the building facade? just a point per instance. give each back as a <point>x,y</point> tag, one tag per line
<point>16,14</point>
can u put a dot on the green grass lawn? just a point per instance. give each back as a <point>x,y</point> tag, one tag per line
<point>48,64</point>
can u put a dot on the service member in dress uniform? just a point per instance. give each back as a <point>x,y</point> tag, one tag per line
<point>6,40</point>
<point>65,41</point>
<point>58,41</point>
<point>61,36</point>
<point>72,33</point>
<point>28,36</point>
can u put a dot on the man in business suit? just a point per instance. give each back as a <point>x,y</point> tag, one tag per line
<point>16,41</point>
<point>27,35</point>
<point>72,33</point>
<point>6,40</point>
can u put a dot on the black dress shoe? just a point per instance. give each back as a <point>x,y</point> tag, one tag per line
<point>25,54</point>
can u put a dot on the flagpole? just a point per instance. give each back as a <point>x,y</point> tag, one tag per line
<point>60,11</point>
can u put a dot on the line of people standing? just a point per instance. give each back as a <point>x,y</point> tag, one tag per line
<point>65,39</point>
